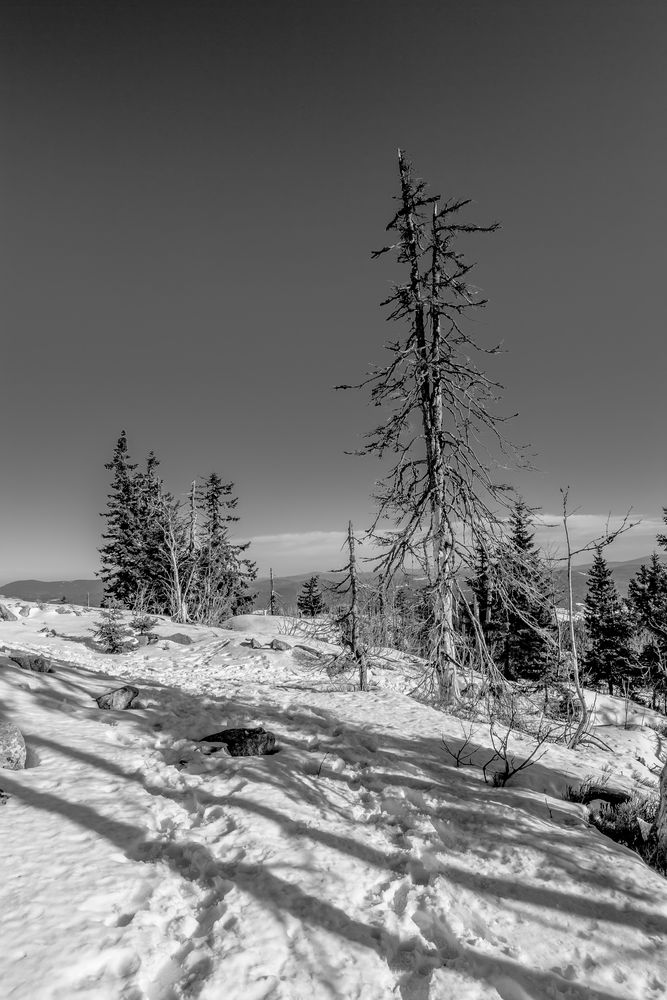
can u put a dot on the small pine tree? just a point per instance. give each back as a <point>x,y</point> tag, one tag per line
<point>609,656</point>
<point>109,630</point>
<point>143,623</point>
<point>310,601</point>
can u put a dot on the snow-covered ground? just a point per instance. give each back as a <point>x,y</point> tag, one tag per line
<point>356,862</point>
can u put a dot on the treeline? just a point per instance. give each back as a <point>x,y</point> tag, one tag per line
<point>164,555</point>
<point>509,618</point>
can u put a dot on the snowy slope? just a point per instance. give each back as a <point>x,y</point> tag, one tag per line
<point>357,862</point>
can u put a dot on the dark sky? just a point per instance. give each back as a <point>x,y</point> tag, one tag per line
<point>189,197</point>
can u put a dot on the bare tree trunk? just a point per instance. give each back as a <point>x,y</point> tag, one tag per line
<point>272,598</point>
<point>193,516</point>
<point>583,723</point>
<point>358,650</point>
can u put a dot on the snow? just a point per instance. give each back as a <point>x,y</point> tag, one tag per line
<point>356,862</point>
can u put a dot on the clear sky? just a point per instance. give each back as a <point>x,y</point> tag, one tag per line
<point>189,194</point>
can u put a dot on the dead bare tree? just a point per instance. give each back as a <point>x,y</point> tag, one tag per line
<point>438,498</point>
<point>350,618</point>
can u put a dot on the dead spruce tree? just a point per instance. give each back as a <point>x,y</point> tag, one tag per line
<point>438,501</point>
<point>349,619</point>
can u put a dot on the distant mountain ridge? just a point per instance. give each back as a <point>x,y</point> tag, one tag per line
<point>81,592</point>
<point>287,588</point>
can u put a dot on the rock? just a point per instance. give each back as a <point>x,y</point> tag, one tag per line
<point>12,747</point>
<point>244,742</point>
<point>24,610</point>
<point>62,610</point>
<point>118,699</point>
<point>142,640</point>
<point>152,637</point>
<point>6,615</point>
<point>279,644</point>
<point>38,664</point>
<point>180,637</point>
<point>255,643</point>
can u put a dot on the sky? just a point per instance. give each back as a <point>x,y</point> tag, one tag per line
<point>189,198</point>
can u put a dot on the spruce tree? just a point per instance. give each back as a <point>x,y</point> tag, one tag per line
<point>224,573</point>
<point>647,596</point>
<point>121,546</point>
<point>609,657</point>
<point>110,632</point>
<point>524,615</point>
<point>310,601</point>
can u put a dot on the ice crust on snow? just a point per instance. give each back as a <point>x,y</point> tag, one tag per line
<point>358,862</point>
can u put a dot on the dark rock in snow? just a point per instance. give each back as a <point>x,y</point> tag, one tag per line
<point>38,664</point>
<point>62,610</point>
<point>279,644</point>
<point>118,699</point>
<point>255,643</point>
<point>244,742</point>
<point>24,610</point>
<point>6,615</point>
<point>12,747</point>
<point>142,640</point>
<point>184,640</point>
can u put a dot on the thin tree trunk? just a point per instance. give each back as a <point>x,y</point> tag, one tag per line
<point>272,598</point>
<point>583,723</point>
<point>357,648</point>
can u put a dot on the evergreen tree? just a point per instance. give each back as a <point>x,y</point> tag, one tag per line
<point>486,604</point>
<point>609,657</point>
<point>310,601</point>
<point>647,596</point>
<point>524,613</point>
<point>224,573</point>
<point>121,546</point>
<point>110,633</point>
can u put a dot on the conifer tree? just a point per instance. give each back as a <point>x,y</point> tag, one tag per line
<point>224,573</point>
<point>110,633</point>
<point>310,601</point>
<point>609,657</point>
<point>647,597</point>
<point>120,551</point>
<point>647,594</point>
<point>526,606</point>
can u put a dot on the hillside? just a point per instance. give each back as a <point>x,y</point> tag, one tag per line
<point>357,861</point>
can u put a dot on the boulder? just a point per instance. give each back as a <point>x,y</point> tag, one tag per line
<point>180,637</point>
<point>142,640</point>
<point>255,643</point>
<point>38,664</point>
<point>279,644</point>
<point>12,747</point>
<point>24,610</point>
<point>62,610</point>
<point>6,615</point>
<point>118,699</point>
<point>244,742</point>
